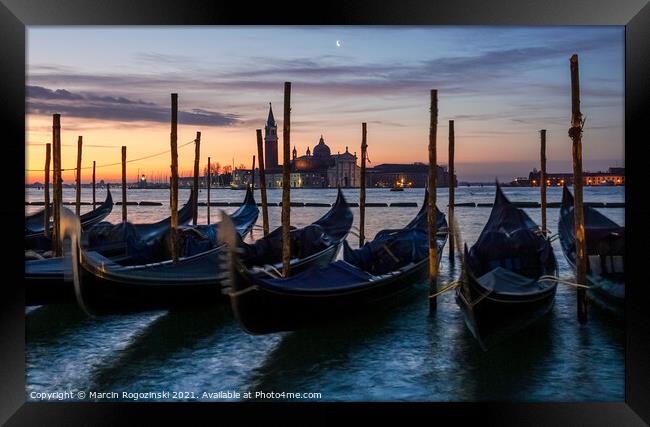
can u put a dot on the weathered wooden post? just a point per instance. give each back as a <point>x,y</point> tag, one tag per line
<point>77,210</point>
<point>208,190</point>
<point>174,178</point>
<point>575,132</point>
<point>542,178</point>
<point>362,189</point>
<point>253,175</point>
<point>124,183</point>
<point>452,191</point>
<point>195,200</point>
<point>286,204</point>
<point>57,190</point>
<point>94,200</point>
<point>265,209</point>
<point>431,211</point>
<point>46,219</point>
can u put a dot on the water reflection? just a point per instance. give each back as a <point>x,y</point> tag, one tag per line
<point>173,332</point>
<point>402,353</point>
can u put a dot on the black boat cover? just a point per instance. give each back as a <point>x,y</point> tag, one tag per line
<point>306,241</point>
<point>394,251</point>
<point>511,240</point>
<point>143,242</point>
<point>196,239</point>
<point>337,275</point>
<point>505,281</point>
<point>603,236</point>
<point>389,251</point>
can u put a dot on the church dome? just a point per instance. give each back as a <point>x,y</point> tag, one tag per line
<point>321,149</point>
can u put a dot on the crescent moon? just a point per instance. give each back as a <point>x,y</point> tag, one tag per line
<point>338,43</point>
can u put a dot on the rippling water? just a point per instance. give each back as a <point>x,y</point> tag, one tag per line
<point>403,353</point>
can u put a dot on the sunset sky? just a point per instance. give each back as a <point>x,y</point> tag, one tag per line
<point>501,85</point>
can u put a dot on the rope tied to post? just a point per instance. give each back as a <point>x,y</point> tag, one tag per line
<point>450,286</point>
<point>576,131</point>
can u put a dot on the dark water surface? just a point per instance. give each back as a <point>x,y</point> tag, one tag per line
<point>402,353</point>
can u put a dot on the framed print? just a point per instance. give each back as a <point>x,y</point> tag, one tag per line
<point>412,206</point>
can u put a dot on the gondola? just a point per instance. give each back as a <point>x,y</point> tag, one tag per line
<point>501,288</point>
<point>372,276</point>
<point>45,278</point>
<point>34,227</point>
<point>605,251</point>
<point>104,286</point>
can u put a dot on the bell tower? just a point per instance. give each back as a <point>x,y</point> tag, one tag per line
<point>271,142</point>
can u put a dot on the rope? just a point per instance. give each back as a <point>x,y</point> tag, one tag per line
<point>562,281</point>
<point>279,275</point>
<point>543,232</point>
<point>481,298</point>
<point>450,286</point>
<point>71,145</point>
<point>390,253</point>
<point>118,163</point>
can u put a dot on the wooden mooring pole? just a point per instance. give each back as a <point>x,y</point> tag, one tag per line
<point>542,178</point>
<point>253,174</point>
<point>174,177</point>
<point>56,202</point>
<point>77,204</point>
<point>286,184</point>
<point>195,199</point>
<point>208,190</point>
<point>362,189</point>
<point>124,214</point>
<point>46,190</point>
<point>94,200</point>
<point>431,209</point>
<point>452,192</point>
<point>575,132</point>
<point>260,157</point>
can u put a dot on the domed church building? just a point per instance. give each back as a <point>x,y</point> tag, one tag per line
<point>316,169</point>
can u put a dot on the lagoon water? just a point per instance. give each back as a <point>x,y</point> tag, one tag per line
<point>401,354</point>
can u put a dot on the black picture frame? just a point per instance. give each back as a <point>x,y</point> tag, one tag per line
<point>15,15</point>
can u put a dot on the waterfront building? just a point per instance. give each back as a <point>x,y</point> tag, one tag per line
<point>613,176</point>
<point>320,168</point>
<point>406,175</point>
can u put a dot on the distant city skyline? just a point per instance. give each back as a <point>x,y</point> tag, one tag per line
<point>501,85</point>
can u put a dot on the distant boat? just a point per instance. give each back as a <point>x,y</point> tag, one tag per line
<point>398,186</point>
<point>234,186</point>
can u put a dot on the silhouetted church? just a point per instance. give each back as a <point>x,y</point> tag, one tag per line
<point>319,169</point>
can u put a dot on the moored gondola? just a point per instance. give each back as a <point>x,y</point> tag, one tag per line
<point>605,252</point>
<point>35,229</point>
<point>378,273</point>
<point>502,288</point>
<point>45,278</point>
<point>104,286</point>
